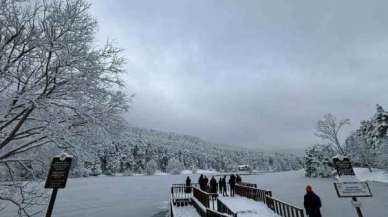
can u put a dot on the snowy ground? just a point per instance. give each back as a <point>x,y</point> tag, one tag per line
<point>247,208</point>
<point>377,175</point>
<point>146,196</point>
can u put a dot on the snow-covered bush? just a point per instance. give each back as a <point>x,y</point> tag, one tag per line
<point>151,167</point>
<point>127,173</point>
<point>174,166</point>
<point>317,161</point>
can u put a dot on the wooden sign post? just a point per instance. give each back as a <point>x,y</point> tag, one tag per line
<point>349,185</point>
<point>57,177</point>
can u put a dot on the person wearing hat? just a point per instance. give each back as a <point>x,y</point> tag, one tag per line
<point>312,203</point>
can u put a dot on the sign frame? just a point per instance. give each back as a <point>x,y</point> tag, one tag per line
<point>59,172</point>
<point>343,166</point>
<point>350,196</point>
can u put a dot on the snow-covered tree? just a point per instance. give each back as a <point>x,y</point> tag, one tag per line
<point>151,167</point>
<point>174,166</point>
<point>317,161</point>
<point>329,128</point>
<point>368,145</point>
<point>55,86</point>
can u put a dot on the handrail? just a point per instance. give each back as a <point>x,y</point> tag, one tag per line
<point>201,209</point>
<point>223,208</point>
<point>283,209</point>
<point>181,192</point>
<point>204,197</point>
<point>171,208</point>
<point>213,213</point>
<point>252,193</point>
<point>253,185</point>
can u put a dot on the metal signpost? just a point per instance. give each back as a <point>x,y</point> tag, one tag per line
<point>57,177</point>
<point>350,186</point>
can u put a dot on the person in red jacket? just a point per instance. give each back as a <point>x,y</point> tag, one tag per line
<point>312,203</point>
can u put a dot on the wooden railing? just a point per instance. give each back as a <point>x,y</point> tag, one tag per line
<point>181,185</point>
<point>206,212</point>
<point>252,193</point>
<point>201,209</point>
<point>253,185</point>
<point>283,209</point>
<point>181,194</point>
<point>171,209</point>
<point>223,208</point>
<point>213,213</point>
<point>205,198</point>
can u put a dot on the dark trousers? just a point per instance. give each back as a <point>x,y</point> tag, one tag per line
<point>232,190</point>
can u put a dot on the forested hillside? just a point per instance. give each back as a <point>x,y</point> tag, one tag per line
<point>144,151</point>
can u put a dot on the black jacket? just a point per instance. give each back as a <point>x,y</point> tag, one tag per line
<point>232,180</point>
<point>312,204</point>
<point>213,185</point>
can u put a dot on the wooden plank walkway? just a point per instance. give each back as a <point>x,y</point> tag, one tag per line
<point>185,211</point>
<point>245,207</point>
<point>249,201</point>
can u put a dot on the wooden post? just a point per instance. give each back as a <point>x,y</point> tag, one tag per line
<point>52,201</point>
<point>358,209</point>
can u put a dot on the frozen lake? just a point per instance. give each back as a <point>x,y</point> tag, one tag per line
<point>147,196</point>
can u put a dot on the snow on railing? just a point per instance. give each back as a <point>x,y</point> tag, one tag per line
<point>204,197</point>
<point>207,212</point>
<point>223,208</point>
<point>279,207</point>
<point>282,208</point>
<point>253,185</point>
<point>252,192</point>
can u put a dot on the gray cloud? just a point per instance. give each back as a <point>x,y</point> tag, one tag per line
<point>254,73</point>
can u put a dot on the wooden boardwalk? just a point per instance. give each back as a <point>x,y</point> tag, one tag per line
<point>249,201</point>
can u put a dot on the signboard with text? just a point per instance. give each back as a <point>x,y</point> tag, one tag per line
<point>352,189</point>
<point>343,167</point>
<point>58,173</point>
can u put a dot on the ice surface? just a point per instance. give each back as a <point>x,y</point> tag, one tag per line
<point>145,196</point>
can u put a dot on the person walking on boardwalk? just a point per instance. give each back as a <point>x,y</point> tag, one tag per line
<point>224,190</point>
<point>188,185</point>
<point>238,179</point>
<point>232,183</point>
<point>312,203</point>
<point>200,182</point>
<point>213,185</point>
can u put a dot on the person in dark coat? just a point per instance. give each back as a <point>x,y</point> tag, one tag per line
<point>213,185</point>
<point>220,185</point>
<point>232,183</point>
<point>238,179</point>
<point>188,185</point>
<point>205,184</point>
<point>224,190</point>
<point>200,182</point>
<point>312,203</point>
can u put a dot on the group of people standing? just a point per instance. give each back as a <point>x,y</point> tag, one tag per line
<point>212,186</point>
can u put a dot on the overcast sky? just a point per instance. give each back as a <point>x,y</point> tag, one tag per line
<point>254,73</point>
